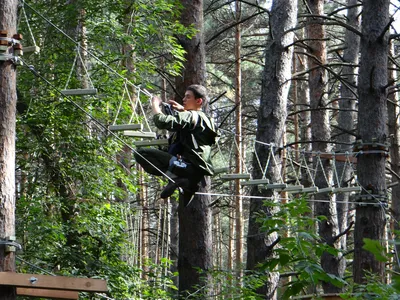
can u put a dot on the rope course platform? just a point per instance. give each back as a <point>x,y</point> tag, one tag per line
<point>56,287</point>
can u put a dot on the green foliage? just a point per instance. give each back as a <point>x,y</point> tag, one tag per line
<point>299,249</point>
<point>376,248</point>
<point>75,179</point>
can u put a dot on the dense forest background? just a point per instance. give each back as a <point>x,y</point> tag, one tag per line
<point>305,94</point>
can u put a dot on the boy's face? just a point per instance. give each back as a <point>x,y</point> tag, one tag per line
<point>190,102</point>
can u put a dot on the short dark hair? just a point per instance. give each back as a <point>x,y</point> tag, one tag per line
<point>198,90</point>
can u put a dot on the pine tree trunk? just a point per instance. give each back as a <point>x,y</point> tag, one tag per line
<point>271,124</point>
<point>8,101</point>
<point>394,133</point>
<point>195,235</point>
<point>372,128</point>
<point>321,135</point>
<point>347,114</point>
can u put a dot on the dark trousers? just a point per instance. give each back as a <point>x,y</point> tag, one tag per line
<point>153,161</point>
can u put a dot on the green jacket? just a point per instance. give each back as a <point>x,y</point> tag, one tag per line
<point>197,135</point>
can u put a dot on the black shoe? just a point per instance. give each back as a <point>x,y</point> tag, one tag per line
<point>168,190</point>
<point>181,183</point>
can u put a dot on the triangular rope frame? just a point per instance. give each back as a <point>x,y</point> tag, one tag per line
<point>28,49</point>
<point>79,92</point>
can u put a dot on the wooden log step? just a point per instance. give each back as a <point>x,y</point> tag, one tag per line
<point>348,189</point>
<point>276,186</point>
<point>31,49</point>
<point>294,188</point>
<point>124,127</point>
<point>235,176</point>
<point>79,92</point>
<point>312,189</point>
<point>140,134</point>
<point>160,142</point>
<point>254,182</point>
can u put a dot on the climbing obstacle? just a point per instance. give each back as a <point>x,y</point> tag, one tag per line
<point>303,170</point>
<point>55,287</point>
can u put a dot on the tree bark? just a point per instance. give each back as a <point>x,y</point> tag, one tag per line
<point>320,129</point>
<point>372,128</point>
<point>271,127</point>
<point>347,115</point>
<point>394,133</point>
<point>8,101</point>
<point>238,154</point>
<point>195,235</point>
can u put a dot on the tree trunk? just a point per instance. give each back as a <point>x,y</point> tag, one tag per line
<point>372,129</point>
<point>8,101</point>
<point>194,70</point>
<point>271,127</point>
<point>347,115</point>
<point>238,137</point>
<point>195,235</point>
<point>321,135</point>
<point>394,133</point>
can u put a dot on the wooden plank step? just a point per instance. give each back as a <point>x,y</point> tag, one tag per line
<point>123,127</point>
<point>348,189</point>
<point>254,182</point>
<point>160,142</point>
<point>312,189</point>
<point>235,176</point>
<point>326,190</point>
<point>53,282</point>
<point>276,186</point>
<point>140,134</point>
<point>79,92</point>
<point>43,293</point>
<point>31,49</point>
<point>294,188</point>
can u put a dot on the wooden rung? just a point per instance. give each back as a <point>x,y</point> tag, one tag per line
<point>221,170</point>
<point>79,92</point>
<point>276,186</point>
<point>348,189</point>
<point>294,188</point>
<point>326,190</point>
<point>255,182</point>
<point>140,134</point>
<point>312,189</point>
<point>159,142</point>
<point>53,294</point>
<point>123,127</point>
<point>235,176</point>
<point>31,49</point>
<point>53,282</point>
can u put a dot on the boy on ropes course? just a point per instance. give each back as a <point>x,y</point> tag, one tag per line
<point>188,158</point>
